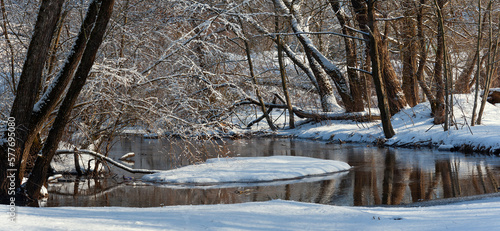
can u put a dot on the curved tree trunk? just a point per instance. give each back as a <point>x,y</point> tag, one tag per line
<point>310,49</point>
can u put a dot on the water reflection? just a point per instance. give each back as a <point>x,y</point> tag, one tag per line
<point>380,176</point>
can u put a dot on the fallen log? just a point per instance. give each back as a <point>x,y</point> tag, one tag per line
<point>317,116</point>
<point>107,159</point>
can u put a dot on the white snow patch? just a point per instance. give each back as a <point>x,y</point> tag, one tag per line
<point>415,127</point>
<point>270,215</point>
<point>248,170</point>
<point>66,163</point>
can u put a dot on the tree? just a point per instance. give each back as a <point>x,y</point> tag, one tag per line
<point>29,113</point>
<point>351,56</point>
<point>319,63</point>
<point>394,92</point>
<point>410,49</point>
<point>380,87</point>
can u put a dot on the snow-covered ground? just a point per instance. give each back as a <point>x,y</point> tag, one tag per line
<point>271,215</point>
<point>414,127</point>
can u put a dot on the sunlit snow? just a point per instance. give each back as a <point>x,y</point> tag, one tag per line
<point>248,170</point>
<point>270,215</point>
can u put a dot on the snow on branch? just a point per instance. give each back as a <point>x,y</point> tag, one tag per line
<point>315,33</point>
<point>107,159</point>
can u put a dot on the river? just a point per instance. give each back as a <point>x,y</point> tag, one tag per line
<point>379,175</point>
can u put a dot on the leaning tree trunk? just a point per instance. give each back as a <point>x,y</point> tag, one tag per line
<point>310,49</point>
<point>283,76</point>
<point>26,96</point>
<point>40,170</point>
<point>254,80</point>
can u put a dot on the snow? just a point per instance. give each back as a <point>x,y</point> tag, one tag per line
<point>65,163</point>
<point>414,127</point>
<point>248,170</point>
<point>127,156</point>
<point>270,215</point>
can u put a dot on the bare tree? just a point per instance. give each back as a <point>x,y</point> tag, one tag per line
<point>380,87</point>
<point>26,108</point>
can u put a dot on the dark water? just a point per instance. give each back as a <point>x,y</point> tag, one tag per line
<point>380,175</point>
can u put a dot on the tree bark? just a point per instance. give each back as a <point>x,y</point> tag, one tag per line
<point>410,49</point>
<point>383,103</point>
<point>310,49</point>
<point>393,89</point>
<point>439,105</point>
<point>355,84</point>
<point>27,90</point>
<point>40,171</point>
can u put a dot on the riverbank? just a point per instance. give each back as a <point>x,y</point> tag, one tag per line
<point>414,128</point>
<point>272,215</point>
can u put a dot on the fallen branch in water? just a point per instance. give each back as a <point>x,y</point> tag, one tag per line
<point>107,159</point>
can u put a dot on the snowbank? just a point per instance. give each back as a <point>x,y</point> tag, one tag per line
<point>248,170</point>
<point>414,128</point>
<point>271,215</point>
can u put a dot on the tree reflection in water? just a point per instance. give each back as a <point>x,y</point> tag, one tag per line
<point>380,176</point>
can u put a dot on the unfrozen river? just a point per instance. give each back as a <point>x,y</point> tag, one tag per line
<point>380,175</point>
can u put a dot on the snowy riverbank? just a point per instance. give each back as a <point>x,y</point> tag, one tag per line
<point>271,215</point>
<point>414,128</point>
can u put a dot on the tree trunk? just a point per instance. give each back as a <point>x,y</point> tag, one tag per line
<point>383,104</point>
<point>254,79</point>
<point>40,171</point>
<point>355,83</point>
<point>310,49</point>
<point>410,49</point>
<point>490,67</point>
<point>394,92</point>
<point>423,54</point>
<point>326,94</point>
<point>283,74</point>
<point>50,99</point>
<point>463,84</point>
<point>439,108</point>
<point>27,92</point>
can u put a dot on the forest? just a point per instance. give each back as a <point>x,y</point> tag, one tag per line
<point>81,72</point>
